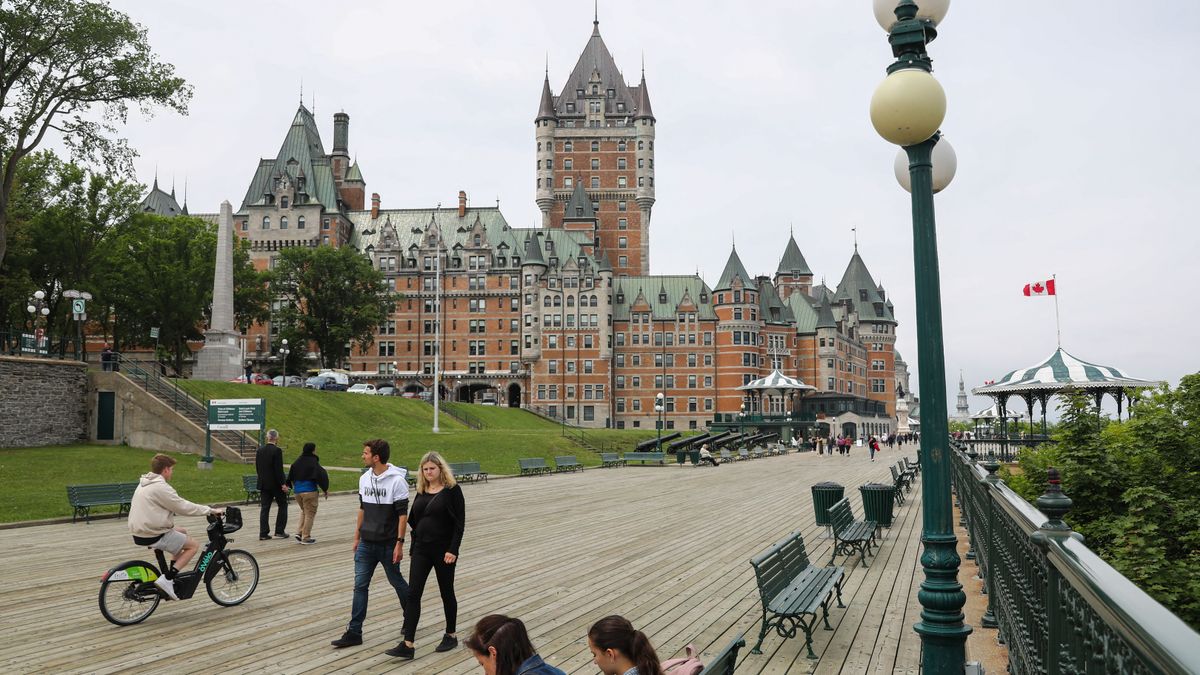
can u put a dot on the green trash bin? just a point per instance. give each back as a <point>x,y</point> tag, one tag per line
<point>694,455</point>
<point>878,500</point>
<point>825,495</point>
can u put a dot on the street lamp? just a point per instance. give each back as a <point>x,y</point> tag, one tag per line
<point>37,307</point>
<point>907,109</point>
<point>283,354</point>
<point>658,408</point>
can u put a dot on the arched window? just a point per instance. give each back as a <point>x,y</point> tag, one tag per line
<point>546,301</point>
<point>299,222</point>
<point>641,144</point>
<point>478,239</point>
<point>266,222</point>
<point>570,301</point>
<point>283,222</point>
<point>621,146</point>
<point>595,302</point>
<point>557,301</point>
<point>568,147</point>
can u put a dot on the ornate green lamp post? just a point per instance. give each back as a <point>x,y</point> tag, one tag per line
<point>907,109</point>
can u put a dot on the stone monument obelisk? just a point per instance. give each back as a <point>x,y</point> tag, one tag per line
<point>221,357</point>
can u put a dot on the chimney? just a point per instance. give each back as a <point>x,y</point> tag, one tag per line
<point>374,205</point>
<point>341,133</point>
<point>462,203</point>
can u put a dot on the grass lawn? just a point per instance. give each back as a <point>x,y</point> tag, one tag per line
<point>35,479</point>
<point>339,423</point>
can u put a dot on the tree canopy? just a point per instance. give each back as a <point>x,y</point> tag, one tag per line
<point>73,67</point>
<point>330,296</point>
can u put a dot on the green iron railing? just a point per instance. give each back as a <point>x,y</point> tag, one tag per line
<point>1058,607</point>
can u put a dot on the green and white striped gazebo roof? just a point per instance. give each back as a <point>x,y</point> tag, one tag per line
<point>776,380</point>
<point>1063,371</point>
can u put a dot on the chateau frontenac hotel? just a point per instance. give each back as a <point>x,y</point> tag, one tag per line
<point>566,319</point>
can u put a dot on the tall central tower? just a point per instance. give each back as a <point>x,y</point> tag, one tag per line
<point>598,133</point>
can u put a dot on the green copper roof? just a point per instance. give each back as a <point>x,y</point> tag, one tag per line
<point>546,105</point>
<point>793,261</point>
<point>825,315</point>
<point>770,308</point>
<point>300,155</point>
<point>533,251</point>
<point>160,202</point>
<point>733,268</point>
<point>355,173</point>
<point>858,288</point>
<point>803,312</point>
<point>579,207</point>
<point>664,294</point>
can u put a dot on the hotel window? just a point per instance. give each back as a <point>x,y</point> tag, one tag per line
<point>621,163</point>
<point>622,181</point>
<point>567,181</point>
<point>623,261</point>
<point>595,182</point>
<point>568,147</point>
<point>595,146</point>
<point>622,242</point>
<point>567,163</point>
<point>622,206</point>
<point>266,222</point>
<point>299,222</point>
<point>622,223</point>
<point>595,164</point>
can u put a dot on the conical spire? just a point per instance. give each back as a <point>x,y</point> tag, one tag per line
<point>825,315</point>
<point>546,107</point>
<point>579,207</point>
<point>533,252</point>
<point>793,260</point>
<point>643,100</point>
<point>733,268</point>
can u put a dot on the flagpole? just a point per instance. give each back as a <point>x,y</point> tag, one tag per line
<point>1057,321</point>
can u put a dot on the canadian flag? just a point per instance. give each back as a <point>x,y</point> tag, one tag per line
<point>1040,288</point>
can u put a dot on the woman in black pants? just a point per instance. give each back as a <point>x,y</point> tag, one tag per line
<point>437,519</point>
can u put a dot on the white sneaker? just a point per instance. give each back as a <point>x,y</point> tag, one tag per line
<point>167,586</point>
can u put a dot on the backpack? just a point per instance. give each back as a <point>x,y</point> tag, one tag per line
<point>689,665</point>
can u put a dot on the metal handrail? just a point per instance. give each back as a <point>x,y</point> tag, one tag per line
<point>1059,607</point>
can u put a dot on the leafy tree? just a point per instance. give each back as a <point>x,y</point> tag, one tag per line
<point>74,67</point>
<point>159,273</point>
<point>331,297</point>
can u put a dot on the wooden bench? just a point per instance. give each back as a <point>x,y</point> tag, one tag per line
<point>567,463</point>
<point>850,535</point>
<point>83,497</point>
<point>900,482</point>
<point>644,457</point>
<point>793,589</point>
<point>250,485</point>
<point>725,660</point>
<point>468,472</point>
<point>610,459</point>
<point>726,457</point>
<point>532,466</point>
<point>909,471</point>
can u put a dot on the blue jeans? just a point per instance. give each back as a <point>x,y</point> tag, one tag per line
<point>366,557</point>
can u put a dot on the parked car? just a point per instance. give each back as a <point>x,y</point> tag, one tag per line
<point>288,381</point>
<point>314,382</point>
<point>259,378</point>
<point>331,384</point>
<point>363,388</point>
<point>387,390</point>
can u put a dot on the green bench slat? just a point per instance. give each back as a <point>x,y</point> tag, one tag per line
<point>794,592</point>
<point>468,471</point>
<point>724,662</point>
<point>83,497</point>
<point>850,535</point>
<point>531,466</point>
<point>567,463</point>
<point>644,457</point>
<point>610,459</point>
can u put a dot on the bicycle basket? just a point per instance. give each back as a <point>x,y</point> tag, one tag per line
<point>233,519</point>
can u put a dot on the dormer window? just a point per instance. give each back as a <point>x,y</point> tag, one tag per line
<point>862,295</point>
<point>478,239</point>
<point>620,298</point>
<point>704,298</point>
<point>570,107</point>
<point>578,93</point>
<point>612,93</point>
<point>283,202</point>
<point>620,106</point>
<point>662,298</point>
<point>595,89</point>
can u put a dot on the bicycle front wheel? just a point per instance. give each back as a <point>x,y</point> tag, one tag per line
<point>235,580</point>
<point>128,594</point>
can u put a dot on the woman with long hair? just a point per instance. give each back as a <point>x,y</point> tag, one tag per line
<point>437,519</point>
<point>619,649</point>
<point>502,647</point>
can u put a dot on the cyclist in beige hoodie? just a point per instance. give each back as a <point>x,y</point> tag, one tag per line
<point>152,518</point>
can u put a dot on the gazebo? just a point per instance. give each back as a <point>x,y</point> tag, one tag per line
<point>990,416</point>
<point>1056,374</point>
<point>776,384</point>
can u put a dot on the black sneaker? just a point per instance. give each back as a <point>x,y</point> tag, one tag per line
<point>402,651</point>
<point>264,537</point>
<point>298,538</point>
<point>348,639</point>
<point>282,535</point>
<point>447,644</point>
<point>310,540</point>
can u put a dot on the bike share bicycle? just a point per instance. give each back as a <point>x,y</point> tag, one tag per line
<point>128,594</point>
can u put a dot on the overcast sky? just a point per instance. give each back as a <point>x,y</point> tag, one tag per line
<point>1074,125</point>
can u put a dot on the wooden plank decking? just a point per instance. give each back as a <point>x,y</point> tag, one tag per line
<point>667,547</point>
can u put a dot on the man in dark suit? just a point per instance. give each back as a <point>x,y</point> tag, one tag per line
<point>272,487</point>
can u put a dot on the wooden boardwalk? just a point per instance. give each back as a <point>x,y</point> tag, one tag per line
<point>667,547</point>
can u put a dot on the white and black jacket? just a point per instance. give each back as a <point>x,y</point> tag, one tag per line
<point>383,500</point>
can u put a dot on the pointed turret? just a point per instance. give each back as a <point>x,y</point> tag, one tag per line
<point>793,260</point>
<point>579,207</point>
<point>858,288</point>
<point>546,106</point>
<point>825,315</point>
<point>533,252</point>
<point>733,269</point>
<point>643,101</point>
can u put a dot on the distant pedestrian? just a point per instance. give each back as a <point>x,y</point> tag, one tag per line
<point>437,519</point>
<point>706,456</point>
<point>379,535</point>
<point>305,477</point>
<point>872,446</point>
<point>501,646</point>
<point>272,487</point>
<point>249,373</point>
<point>106,359</point>
<point>618,649</point>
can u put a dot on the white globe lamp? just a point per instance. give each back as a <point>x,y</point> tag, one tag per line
<point>908,107</point>
<point>932,10</point>
<point>945,164</point>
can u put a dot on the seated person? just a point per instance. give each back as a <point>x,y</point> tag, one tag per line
<point>152,519</point>
<point>706,456</point>
<point>501,646</point>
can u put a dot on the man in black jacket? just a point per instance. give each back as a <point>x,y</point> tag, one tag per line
<point>272,487</point>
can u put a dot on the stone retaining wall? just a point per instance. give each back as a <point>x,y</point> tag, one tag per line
<point>42,402</point>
